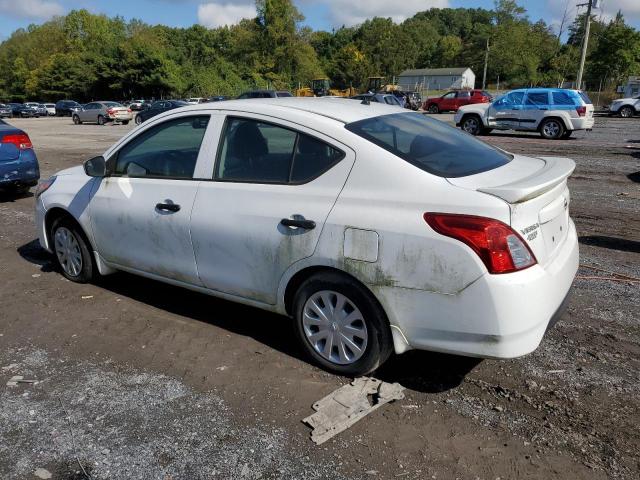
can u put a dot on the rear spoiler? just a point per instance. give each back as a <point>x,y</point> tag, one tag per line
<point>555,171</point>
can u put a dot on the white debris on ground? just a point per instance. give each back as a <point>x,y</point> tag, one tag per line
<point>342,408</point>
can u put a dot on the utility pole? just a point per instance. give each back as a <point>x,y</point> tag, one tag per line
<point>585,40</point>
<point>486,61</point>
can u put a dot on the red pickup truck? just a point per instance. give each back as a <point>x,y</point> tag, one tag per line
<point>453,100</point>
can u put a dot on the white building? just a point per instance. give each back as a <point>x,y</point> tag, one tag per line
<point>437,79</point>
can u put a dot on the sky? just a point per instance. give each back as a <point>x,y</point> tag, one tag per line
<point>324,15</point>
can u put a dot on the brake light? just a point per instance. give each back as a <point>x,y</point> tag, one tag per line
<point>499,247</point>
<point>20,140</point>
<point>128,110</point>
<point>110,111</point>
<point>582,111</point>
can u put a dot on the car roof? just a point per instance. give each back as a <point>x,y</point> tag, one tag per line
<point>333,108</point>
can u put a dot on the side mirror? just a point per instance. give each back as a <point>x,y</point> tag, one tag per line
<point>96,167</point>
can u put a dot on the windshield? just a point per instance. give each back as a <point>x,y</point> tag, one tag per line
<point>430,145</point>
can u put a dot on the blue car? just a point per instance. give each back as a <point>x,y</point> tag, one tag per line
<point>19,168</point>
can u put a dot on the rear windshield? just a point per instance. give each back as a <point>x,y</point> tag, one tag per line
<point>585,97</point>
<point>430,144</point>
<point>111,104</point>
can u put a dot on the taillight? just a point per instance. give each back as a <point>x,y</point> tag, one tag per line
<point>582,111</point>
<point>20,140</point>
<point>128,110</point>
<point>110,111</point>
<point>499,247</point>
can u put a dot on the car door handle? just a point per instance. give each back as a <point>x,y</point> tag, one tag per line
<point>304,224</point>
<point>168,207</point>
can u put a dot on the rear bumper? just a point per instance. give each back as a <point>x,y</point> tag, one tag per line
<point>23,172</point>
<point>582,123</point>
<point>497,316</point>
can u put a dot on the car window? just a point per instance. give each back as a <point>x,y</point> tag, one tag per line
<point>464,94</point>
<point>537,98</point>
<point>312,158</point>
<point>562,98</point>
<point>449,95</point>
<point>111,104</point>
<point>586,98</point>
<point>284,94</point>
<point>168,150</point>
<point>255,151</point>
<point>430,145</point>
<point>513,98</point>
<point>390,100</point>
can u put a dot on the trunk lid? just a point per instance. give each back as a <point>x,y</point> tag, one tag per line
<point>537,193</point>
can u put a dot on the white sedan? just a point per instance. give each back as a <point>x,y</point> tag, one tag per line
<point>378,230</point>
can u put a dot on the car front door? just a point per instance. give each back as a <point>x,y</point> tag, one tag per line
<point>448,101</point>
<point>273,187</point>
<point>88,113</point>
<point>140,212</point>
<point>536,104</point>
<point>504,113</point>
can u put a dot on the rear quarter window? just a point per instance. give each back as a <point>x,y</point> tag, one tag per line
<point>562,98</point>
<point>430,145</point>
<point>585,98</point>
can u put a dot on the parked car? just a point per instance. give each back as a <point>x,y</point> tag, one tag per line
<point>5,111</point>
<point>376,229</point>
<point>102,112</point>
<point>137,105</point>
<point>23,111</point>
<point>158,107</point>
<point>51,109</point>
<point>553,112</point>
<point>41,109</point>
<point>265,94</point>
<point>196,100</point>
<point>19,169</point>
<point>385,98</point>
<point>452,101</point>
<point>65,108</point>
<point>625,107</point>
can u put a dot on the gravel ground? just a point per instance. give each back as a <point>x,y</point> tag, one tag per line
<point>138,379</point>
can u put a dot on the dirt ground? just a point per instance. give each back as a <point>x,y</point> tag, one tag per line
<point>141,380</point>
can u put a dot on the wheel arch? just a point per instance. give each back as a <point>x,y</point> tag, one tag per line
<point>58,212</point>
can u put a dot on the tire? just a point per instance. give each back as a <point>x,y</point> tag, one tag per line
<point>125,122</point>
<point>552,129</point>
<point>138,120</point>
<point>433,109</point>
<point>72,250</point>
<point>76,120</point>
<point>472,124</point>
<point>369,328</point>
<point>626,111</point>
<point>101,120</point>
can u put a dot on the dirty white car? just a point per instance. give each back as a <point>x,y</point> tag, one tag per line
<point>625,107</point>
<point>376,229</point>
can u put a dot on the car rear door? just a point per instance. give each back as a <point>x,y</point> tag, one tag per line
<point>140,213</point>
<point>462,98</point>
<point>273,187</point>
<point>536,106</point>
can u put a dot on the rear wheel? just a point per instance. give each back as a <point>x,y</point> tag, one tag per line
<point>72,250</point>
<point>472,124</point>
<point>340,325</point>
<point>76,120</point>
<point>100,120</point>
<point>552,129</point>
<point>627,111</point>
<point>433,109</point>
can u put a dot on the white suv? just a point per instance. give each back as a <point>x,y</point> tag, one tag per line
<point>625,107</point>
<point>554,112</point>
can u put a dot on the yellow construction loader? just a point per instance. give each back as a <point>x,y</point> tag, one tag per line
<point>321,87</point>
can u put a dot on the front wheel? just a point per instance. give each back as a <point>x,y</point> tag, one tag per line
<point>552,129</point>
<point>340,325</point>
<point>472,125</point>
<point>76,120</point>
<point>72,251</point>
<point>627,111</point>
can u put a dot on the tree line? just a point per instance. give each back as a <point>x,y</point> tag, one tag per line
<point>85,56</point>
